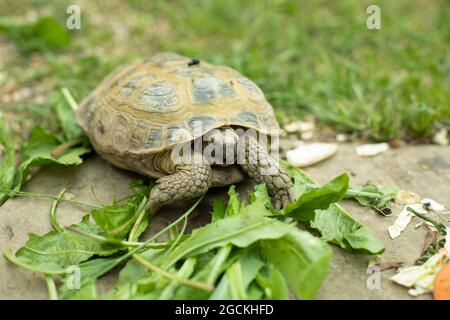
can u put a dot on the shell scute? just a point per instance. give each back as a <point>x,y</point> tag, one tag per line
<point>199,123</point>
<point>159,97</point>
<point>155,138</point>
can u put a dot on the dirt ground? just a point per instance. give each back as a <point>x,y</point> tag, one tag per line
<point>423,169</point>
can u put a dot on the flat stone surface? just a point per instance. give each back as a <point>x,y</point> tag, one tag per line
<point>423,169</point>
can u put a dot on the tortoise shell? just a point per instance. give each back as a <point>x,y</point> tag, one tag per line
<point>151,105</point>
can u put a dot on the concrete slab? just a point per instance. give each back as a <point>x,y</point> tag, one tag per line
<point>423,169</point>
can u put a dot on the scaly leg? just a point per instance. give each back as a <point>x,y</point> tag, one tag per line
<point>260,166</point>
<point>189,181</point>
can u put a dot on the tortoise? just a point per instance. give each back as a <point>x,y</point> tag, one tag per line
<point>145,110</point>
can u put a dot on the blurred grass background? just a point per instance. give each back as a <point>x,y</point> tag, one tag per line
<point>309,57</point>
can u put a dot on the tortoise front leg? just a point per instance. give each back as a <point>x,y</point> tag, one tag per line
<point>189,181</point>
<point>260,166</point>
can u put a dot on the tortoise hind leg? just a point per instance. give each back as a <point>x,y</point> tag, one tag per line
<point>189,181</point>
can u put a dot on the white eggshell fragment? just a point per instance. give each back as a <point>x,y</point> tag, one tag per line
<point>299,126</point>
<point>403,219</point>
<point>433,205</point>
<point>370,150</point>
<point>309,154</point>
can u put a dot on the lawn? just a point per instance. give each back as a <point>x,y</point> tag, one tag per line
<point>308,56</point>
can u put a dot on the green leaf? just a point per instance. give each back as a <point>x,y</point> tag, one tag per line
<point>379,204</point>
<point>63,249</point>
<point>302,259</point>
<point>126,286</point>
<point>86,292</point>
<point>42,150</point>
<point>235,282</point>
<point>118,219</point>
<point>210,273</point>
<point>66,117</point>
<point>70,157</point>
<point>219,210</point>
<point>302,181</point>
<point>338,227</point>
<point>250,266</point>
<point>234,204</point>
<point>44,34</point>
<point>186,270</point>
<point>240,230</point>
<point>319,198</point>
<point>274,284</point>
<point>90,271</point>
<point>8,159</point>
<point>261,194</point>
<point>41,142</point>
<point>35,266</point>
<point>52,33</point>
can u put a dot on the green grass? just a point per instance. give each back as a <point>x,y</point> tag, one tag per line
<point>308,56</point>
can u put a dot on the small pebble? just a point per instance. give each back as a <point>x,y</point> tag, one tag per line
<point>441,137</point>
<point>340,137</point>
<point>307,135</point>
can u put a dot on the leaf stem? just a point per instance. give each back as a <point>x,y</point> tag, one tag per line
<point>55,153</point>
<point>142,214</point>
<point>178,238</point>
<point>53,219</point>
<point>69,98</point>
<point>173,277</point>
<point>52,293</point>
<point>351,193</point>
<point>11,257</point>
<point>438,225</point>
<point>49,196</point>
<point>186,214</point>
<point>222,255</point>
<point>117,242</point>
<point>185,271</point>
